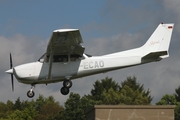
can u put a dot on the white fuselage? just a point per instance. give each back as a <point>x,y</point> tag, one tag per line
<point>37,72</point>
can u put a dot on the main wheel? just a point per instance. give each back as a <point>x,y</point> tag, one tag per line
<point>67,83</point>
<point>30,94</point>
<point>64,90</point>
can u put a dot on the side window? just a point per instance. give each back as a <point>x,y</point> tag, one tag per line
<point>75,57</point>
<point>46,59</point>
<point>60,58</point>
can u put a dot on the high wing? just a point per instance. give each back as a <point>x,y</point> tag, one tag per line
<point>64,42</point>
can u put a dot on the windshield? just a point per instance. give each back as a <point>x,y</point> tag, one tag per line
<point>44,58</point>
<point>88,55</point>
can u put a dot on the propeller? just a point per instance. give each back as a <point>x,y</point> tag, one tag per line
<point>11,67</point>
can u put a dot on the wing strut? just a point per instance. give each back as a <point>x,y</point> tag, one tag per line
<point>51,61</point>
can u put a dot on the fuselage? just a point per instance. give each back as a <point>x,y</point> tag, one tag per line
<point>37,72</point>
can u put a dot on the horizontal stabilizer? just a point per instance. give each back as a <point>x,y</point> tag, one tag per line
<point>155,56</point>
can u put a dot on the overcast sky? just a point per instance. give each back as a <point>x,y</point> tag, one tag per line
<point>106,26</point>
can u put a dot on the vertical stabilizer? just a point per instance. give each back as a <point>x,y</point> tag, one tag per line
<point>159,41</point>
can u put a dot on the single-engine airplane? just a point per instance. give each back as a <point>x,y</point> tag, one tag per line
<point>65,59</point>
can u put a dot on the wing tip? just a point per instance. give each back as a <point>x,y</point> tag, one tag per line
<point>65,30</point>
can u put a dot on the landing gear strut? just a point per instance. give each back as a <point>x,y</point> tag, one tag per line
<point>31,93</point>
<point>66,85</point>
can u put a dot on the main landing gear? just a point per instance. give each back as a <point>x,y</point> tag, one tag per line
<point>66,85</point>
<point>31,93</point>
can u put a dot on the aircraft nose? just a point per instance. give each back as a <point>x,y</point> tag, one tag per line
<point>10,71</point>
<point>24,72</point>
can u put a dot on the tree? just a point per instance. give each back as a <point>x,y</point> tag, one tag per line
<point>17,105</point>
<point>132,83</point>
<point>9,105</point>
<point>49,110</point>
<point>26,114</point>
<point>111,97</point>
<point>40,101</point>
<point>129,96</point>
<point>3,110</point>
<point>177,94</point>
<point>103,85</point>
<point>72,108</point>
<point>167,100</point>
<point>107,91</point>
<point>75,107</point>
<point>41,108</point>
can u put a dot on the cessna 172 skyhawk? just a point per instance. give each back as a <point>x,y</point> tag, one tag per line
<point>65,59</point>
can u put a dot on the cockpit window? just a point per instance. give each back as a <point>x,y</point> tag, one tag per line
<point>60,58</point>
<point>56,58</point>
<point>75,57</point>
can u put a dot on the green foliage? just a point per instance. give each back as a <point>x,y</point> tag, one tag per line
<point>75,107</point>
<point>132,83</point>
<point>177,111</point>
<point>48,111</point>
<point>17,105</point>
<point>42,108</point>
<point>103,85</point>
<point>108,92</point>
<point>47,108</point>
<point>111,97</point>
<point>129,96</point>
<point>26,114</point>
<point>167,100</point>
<point>177,94</point>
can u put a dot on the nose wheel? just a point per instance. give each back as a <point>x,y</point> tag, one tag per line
<point>31,93</point>
<point>67,84</point>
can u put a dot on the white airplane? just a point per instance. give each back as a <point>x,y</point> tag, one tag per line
<point>65,59</point>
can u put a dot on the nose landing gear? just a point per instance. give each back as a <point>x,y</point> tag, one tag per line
<point>66,85</point>
<point>31,93</point>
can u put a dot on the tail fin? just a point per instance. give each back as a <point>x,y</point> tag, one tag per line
<point>157,45</point>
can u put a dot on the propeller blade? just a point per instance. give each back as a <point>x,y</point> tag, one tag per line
<point>12,81</point>
<point>11,66</point>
